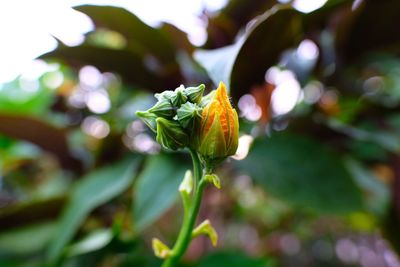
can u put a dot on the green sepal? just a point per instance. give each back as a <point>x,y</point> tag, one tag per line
<point>214,179</point>
<point>213,144</point>
<point>188,114</point>
<point>195,94</point>
<point>205,228</point>
<point>179,97</point>
<point>148,118</point>
<point>166,95</point>
<point>207,99</point>
<point>170,134</point>
<point>163,108</point>
<point>233,145</point>
<point>161,250</point>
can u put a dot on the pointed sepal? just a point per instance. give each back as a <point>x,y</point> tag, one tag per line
<point>161,250</point>
<point>170,134</point>
<point>163,108</point>
<point>195,94</point>
<point>214,179</point>
<point>188,114</point>
<point>179,97</point>
<point>148,118</point>
<point>205,228</point>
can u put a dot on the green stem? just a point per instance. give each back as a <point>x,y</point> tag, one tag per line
<point>189,219</point>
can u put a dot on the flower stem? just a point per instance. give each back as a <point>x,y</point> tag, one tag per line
<point>189,218</point>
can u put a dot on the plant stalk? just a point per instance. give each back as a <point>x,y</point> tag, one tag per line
<point>189,218</point>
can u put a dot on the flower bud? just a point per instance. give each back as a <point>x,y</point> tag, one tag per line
<point>186,185</point>
<point>179,97</point>
<point>219,132</point>
<point>170,134</point>
<point>163,108</point>
<point>195,93</point>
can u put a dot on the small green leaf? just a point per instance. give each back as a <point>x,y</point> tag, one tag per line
<point>157,189</point>
<point>304,173</point>
<point>94,241</point>
<point>92,191</point>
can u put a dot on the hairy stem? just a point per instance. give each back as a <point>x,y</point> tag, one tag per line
<point>189,218</point>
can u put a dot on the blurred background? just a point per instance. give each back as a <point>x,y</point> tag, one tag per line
<point>315,180</point>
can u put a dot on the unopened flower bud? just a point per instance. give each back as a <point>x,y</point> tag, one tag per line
<point>195,94</point>
<point>170,134</point>
<point>219,132</point>
<point>187,183</point>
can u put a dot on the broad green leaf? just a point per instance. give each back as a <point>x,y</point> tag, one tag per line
<point>124,62</point>
<point>219,62</point>
<point>302,172</point>
<point>15,100</point>
<point>32,212</point>
<point>140,37</point>
<point>42,134</point>
<point>233,259</point>
<point>28,239</point>
<point>92,191</point>
<point>157,188</point>
<point>244,64</point>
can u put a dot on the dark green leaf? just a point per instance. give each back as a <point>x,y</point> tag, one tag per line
<point>28,239</point>
<point>140,37</point>
<point>124,62</point>
<point>94,190</point>
<point>157,189</point>
<point>244,64</point>
<point>42,134</point>
<point>302,172</point>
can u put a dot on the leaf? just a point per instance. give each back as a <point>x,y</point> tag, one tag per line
<point>302,172</point>
<point>361,32</point>
<point>377,194</point>
<point>244,64</point>
<point>94,241</point>
<point>124,62</point>
<point>31,212</point>
<point>40,133</point>
<point>92,191</point>
<point>157,189</point>
<point>233,259</point>
<point>219,62</point>
<point>28,239</point>
<point>145,39</point>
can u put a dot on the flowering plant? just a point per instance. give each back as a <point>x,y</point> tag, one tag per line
<point>206,125</point>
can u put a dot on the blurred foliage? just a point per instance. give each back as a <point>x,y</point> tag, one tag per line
<point>315,183</point>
